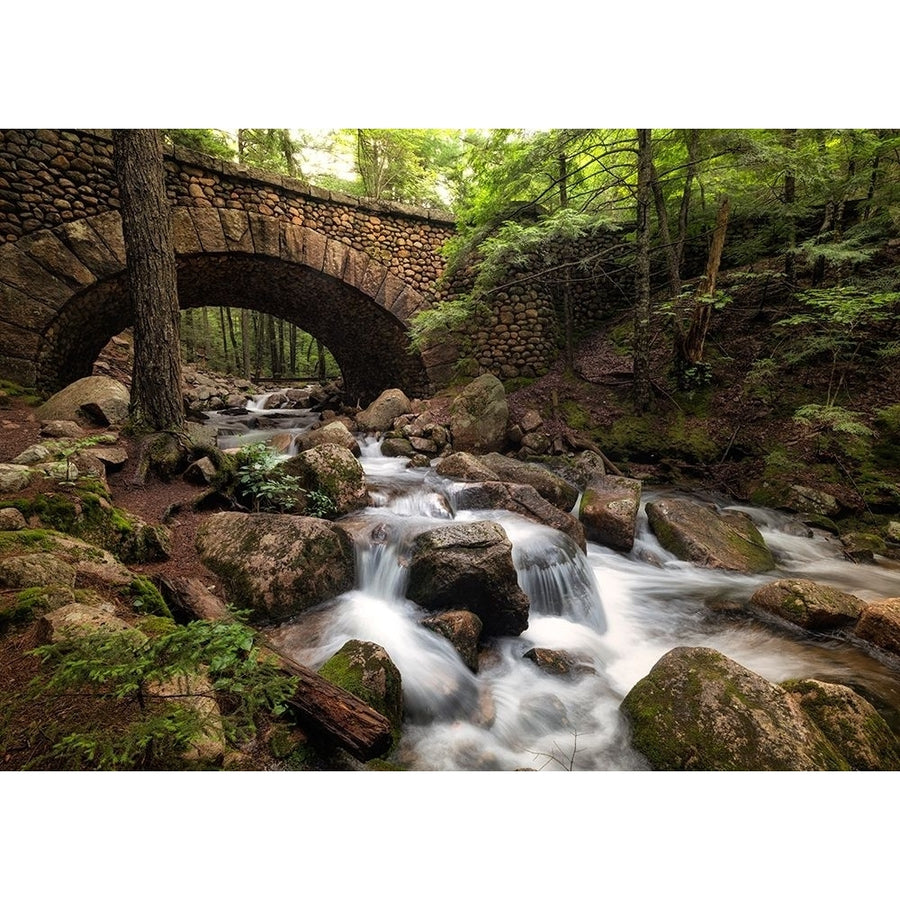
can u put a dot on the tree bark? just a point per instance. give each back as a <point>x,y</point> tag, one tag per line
<point>693,142</point>
<point>156,399</point>
<point>641,344</point>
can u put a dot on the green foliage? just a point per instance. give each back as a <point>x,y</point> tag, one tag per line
<point>838,431</point>
<point>212,141</point>
<point>130,667</point>
<point>429,325</point>
<point>146,599</point>
<point>259,481</point>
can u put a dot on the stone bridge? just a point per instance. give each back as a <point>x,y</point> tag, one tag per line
<point>350,272</point>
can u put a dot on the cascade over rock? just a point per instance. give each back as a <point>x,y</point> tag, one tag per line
<point>469,566</point>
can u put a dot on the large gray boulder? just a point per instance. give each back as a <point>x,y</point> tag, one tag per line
<point>700,534</point>
<point>700,710</point>
<point>14,478</point>
<point>522,499</point>
<point>95,400</point>
<point>469,566</point>
<point>379,415</point>
<point>816,607</point>
<point>276,565</point>
<point>463,466</point>
<point>550,486</point>
<point>479,416</point>
<point>330,470</point>
<point>609,509</point>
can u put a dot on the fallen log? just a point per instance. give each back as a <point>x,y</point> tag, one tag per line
<point>343,717</point>
<point>189,599</point>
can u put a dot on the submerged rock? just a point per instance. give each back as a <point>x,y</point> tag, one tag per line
<point>469,566</point>
<point>706,537</point>
<point>609,510</point>
<point>276,565</point>
<point>462,628</point>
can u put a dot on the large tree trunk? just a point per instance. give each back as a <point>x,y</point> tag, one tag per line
<point>693,143</point>
<point>156,399</point>
<point>641,346</point>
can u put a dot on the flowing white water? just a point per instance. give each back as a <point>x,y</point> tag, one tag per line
<point>615,613</point>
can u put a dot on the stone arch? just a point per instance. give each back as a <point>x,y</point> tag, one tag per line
<point>351,302</point>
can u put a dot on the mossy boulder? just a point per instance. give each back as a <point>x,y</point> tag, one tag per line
<point>21,607</point>
<point>609,509</point>
<point>76,620</point>
<point>469,566</point>
<point>14,478</point>
<point>332,471</point>
<point>365,670</point>
<point>479,416</point>
<point>462,466</point>
<point>699,710</point>
<point>850,722</point>
<point>276,565</point>
<point>703,535</point>
<point>816,607</point>
<point>36,570</point>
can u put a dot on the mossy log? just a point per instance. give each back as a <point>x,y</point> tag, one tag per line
<point>336,713</point>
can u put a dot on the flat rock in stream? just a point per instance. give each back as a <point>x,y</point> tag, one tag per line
<point>700,534</point>
<point>816,607</point>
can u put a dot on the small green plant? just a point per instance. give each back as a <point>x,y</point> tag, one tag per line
<point>837,431</point>
<point>128,666</point>
<point>65,451</point>
<point>261,483</point>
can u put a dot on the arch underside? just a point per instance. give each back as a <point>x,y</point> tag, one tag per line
<point>368,342</point>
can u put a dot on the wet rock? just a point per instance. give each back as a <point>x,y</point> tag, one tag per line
<point>394,446</point>
<point>706,537</point>
<point>699,710</point>
<point>523,500</point>
<point>805,499</point>
<point>463,629</point>
<point>879,624</point>
<point>464,467</point>
<point>335,432</point>
<point>551,487</point>
<point>557,662</point>
<point>276,565</point>
<point>469,566</point>
<point>366,671</point>
<point>816,607</point>
<point>609,509</point>
<point>862,547</point>
<point>379,415</point>
<point>850,722</point>
<point>479,416</point>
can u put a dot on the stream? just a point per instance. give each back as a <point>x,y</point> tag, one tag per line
<point>616,613</point>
